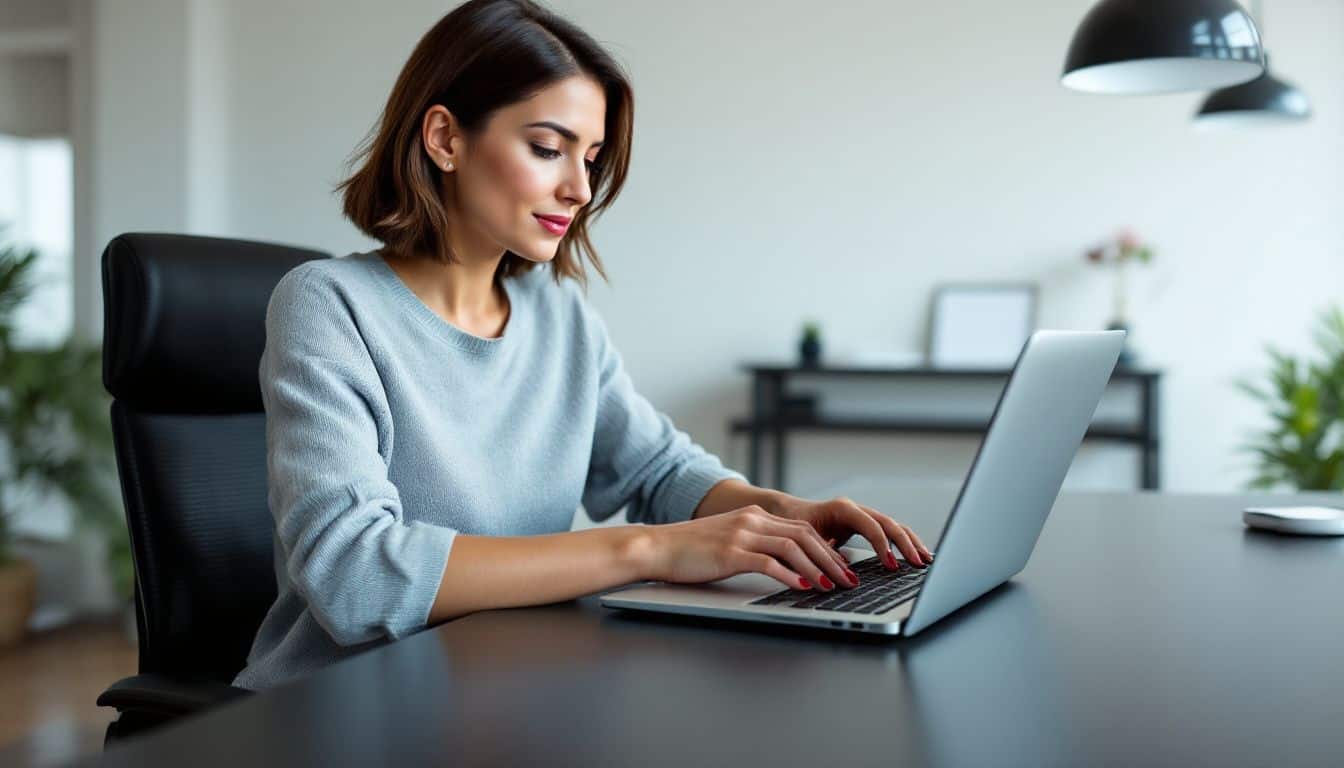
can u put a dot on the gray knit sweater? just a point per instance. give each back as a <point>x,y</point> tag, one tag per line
<point>389,430</point>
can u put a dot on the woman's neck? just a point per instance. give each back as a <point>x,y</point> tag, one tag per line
<point>465,294</point>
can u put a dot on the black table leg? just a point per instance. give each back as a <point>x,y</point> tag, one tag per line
<point>759,397</point>
<point>776,390</point>
<point>780,481</point>
<point>1152,456</point>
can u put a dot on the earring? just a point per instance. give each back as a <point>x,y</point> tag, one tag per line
<point>448,166</point>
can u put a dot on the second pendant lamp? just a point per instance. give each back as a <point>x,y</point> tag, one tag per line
<point>1265,99</point>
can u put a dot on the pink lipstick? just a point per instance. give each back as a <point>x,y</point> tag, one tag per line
<point>556,225</point>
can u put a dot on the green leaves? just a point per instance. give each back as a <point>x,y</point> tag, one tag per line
<point>15,283</point>
<point>54,420</point>
<point>1303,448</point>
<point>1124,247</point>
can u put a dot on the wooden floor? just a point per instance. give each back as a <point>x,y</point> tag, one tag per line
<point>47,690</point>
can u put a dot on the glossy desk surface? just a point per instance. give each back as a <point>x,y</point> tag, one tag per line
<point>1147,629</point>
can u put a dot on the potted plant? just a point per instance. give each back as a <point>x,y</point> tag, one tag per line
<point>18,589</point>
<point>1117,254</point>
<point>1303,448</point>
<point>55,435</point>
<point>809,347</point>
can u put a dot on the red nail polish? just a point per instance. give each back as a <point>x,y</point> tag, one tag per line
<point>853,577</point>
<point>826,583</point>
<point>805,583</point>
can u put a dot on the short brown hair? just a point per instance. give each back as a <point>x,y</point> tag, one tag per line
<point>483,55</point>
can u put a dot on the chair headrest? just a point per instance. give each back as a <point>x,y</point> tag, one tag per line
<point>184,319</point>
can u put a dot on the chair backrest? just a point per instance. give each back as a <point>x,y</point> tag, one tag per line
<point>184,328</point>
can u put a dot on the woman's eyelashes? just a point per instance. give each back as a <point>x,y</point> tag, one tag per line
<point>546,153</point>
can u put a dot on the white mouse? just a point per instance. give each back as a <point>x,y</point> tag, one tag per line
<point>1309,521</point>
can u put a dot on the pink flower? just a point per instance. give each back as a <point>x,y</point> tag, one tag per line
<point>1128,240</point>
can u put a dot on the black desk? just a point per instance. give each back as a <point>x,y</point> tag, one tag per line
<point>1147,630</point>
<point>769,416</point>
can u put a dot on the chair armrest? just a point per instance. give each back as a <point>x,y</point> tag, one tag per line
<point>166,695</point>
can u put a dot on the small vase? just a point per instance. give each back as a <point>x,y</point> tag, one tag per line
<point>1126,358</point>
<point>809,352</point>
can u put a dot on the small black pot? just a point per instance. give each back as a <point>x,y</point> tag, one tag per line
<point>1126,354</point>
<point>809,352</point>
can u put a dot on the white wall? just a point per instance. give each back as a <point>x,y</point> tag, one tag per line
<point>797,159</point>
<point>139,92</point>
<point>33,95</point>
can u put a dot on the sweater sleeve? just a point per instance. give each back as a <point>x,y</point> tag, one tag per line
<point>364,572</point>
<point>639,458</point>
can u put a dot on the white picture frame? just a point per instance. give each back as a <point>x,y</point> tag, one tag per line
<point>980,326</point>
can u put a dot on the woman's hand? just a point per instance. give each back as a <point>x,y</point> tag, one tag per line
<point>746,540</point>
<point>839,519</point>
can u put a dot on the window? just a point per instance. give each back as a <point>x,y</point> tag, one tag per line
<point>36,201</point>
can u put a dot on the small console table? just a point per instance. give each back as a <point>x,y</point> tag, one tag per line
<point>770,416</point>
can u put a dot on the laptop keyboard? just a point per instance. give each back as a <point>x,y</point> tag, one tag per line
<point>879,590</point>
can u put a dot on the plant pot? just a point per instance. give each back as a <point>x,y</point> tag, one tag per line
<point>809,352</point>
<point>18,590</point>
<point>1126,352</point>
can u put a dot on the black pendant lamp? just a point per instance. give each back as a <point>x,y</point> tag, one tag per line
<point>1162,46</point>
<point>1265,99</point>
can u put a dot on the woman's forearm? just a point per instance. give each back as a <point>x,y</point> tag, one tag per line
<point>731,494</point>
<point>485,572</point>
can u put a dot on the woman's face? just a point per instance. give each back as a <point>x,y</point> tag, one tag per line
<point>529,163</point>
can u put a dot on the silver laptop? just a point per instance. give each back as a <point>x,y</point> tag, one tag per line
<point>1037,426</point>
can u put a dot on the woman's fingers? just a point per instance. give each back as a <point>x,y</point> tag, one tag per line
<point>901,539</point>
<point>805,531</point>
<point>924,551</point>
<point>757,562</point>
<point>893,528</point>
<point>836,544</point>
<point>830,550</point>
<point>905,539</point>
<point>795,555</point>
<point>802,532</point>
<point>869,528</point>
<point>831,542</point>
<point>824,560</point>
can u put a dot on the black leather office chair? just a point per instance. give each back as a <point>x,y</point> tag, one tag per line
<point>184,327</point>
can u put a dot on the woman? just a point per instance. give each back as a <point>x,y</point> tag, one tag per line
<point>438,408</point>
